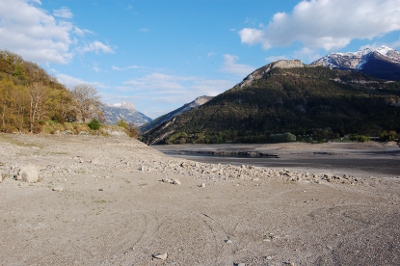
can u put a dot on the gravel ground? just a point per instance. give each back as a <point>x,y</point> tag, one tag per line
<point>116,201</point>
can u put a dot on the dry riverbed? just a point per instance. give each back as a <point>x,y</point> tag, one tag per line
<point>115,201</point>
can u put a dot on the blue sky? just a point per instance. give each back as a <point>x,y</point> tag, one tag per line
<point>161,54</point>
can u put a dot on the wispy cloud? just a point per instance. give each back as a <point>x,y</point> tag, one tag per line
<point>125,68</point>
<point>82,32</point>
<point>63,12</point>
<point>71,82</point>
<point>327,24</point>
<point>96,47</point>
<point>230,66</point>
<point>161,93</point>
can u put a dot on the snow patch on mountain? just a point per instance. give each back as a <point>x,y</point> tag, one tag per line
<point>357,60</point>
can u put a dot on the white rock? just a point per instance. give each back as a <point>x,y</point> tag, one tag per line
<point>162,256</point>
<point>28,174</point>
<point>203,185</point>
<point>59,189</point>
<point>176,182</point>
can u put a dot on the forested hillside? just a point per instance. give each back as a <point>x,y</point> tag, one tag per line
<point>312,103</point>
<point>29,96</point>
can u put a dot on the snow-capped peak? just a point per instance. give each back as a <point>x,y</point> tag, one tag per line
<point>357,60</point>
<point>124,105</point>
<point>384,50</point>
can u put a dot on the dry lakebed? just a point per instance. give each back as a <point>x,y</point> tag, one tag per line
<point>92,200</point>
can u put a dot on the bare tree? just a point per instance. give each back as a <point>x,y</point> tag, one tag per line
<point>87,101</point>
<point>37,93</point>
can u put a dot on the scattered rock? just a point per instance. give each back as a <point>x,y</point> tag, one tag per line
<point>161,256</point>
<point>203,185</point>
<point>228,241</point>
<point>59,188</point>
<point>100,189</point>
<point>28,174</point>
<point>268,257</point>
<point>176,182</point>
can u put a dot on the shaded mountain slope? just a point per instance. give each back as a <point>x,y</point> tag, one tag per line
<point>315,101</point>
<point>189,106</point>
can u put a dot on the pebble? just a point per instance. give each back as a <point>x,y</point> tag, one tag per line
<point>268,258</point>
<point>203,185</point>
<point>162,256</point>
<point>228,241</point>
<point>59,188</point>
<point>100,189</point>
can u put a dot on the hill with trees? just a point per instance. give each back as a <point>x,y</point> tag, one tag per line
<point>312,103</point>
<point>29,96</point>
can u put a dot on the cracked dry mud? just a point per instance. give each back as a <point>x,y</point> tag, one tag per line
<point>111,207</point>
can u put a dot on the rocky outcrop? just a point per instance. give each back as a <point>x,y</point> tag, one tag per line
<point>259,73</point>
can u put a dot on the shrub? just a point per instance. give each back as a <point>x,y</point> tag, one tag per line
<point>133,131</point>
<point>287,137</point>
<point>94,124</point>
<point>123,123</point>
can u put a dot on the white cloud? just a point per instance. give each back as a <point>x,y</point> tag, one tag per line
<point>230,66</point>
<point>162,93</point>
<point>327,24</point>
<point>63,12</point>
<point>71,82</point>
<point>210,54</point>
<point>37,36</point>
<point>82,32</point>
<point>125,68</point>
<point>96,47</point>
<point>33,34</point>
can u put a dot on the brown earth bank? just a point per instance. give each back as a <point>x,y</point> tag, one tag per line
<point>115,201</point>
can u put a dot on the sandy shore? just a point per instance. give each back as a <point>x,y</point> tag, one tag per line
<point>115,201</point>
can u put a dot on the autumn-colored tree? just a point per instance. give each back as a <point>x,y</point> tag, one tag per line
<point>37,94</point>
<point>6,99</point>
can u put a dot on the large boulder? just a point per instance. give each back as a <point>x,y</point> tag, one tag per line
<point>28,174</point>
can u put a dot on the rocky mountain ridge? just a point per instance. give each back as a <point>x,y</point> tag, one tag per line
<point>125,111</point>
<point>186,107</point>
<point>382,62</point>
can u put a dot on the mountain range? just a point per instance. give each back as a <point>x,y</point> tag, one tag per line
<point>342,93</point>
<point>383,62</point>
<point>125,111</point>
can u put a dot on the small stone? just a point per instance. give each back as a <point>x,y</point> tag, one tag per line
<point>100,189</point>
<point>203,185</point>
<point>228,241</point>
<point>161,256</point>
<point>176,182</point>
<point>256,179</point>
<point>58,189</point>
<point>268,258</point>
